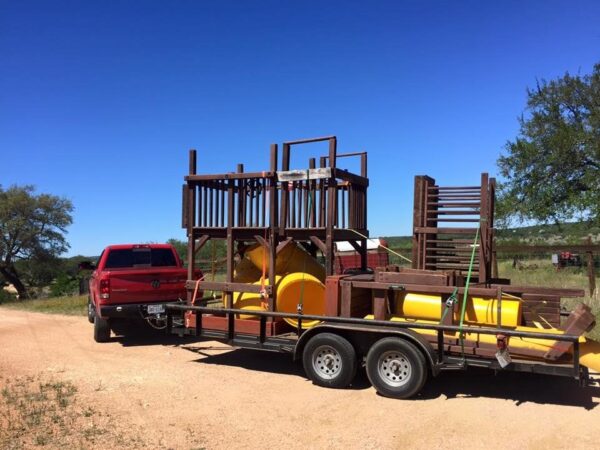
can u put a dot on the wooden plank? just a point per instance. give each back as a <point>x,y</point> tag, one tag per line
<point>484,292</point>
<point>228,287</point>
<point>195,179</point>
<point>333,294</point>
<point>435,230</point>
<point>379,304</point>
<point>522,290</point>
<point>352,178</point>
<point>438,279</point>
<point>540,298</point>
<point>308,174</point>
<point>579,321</point>
<point>244,326</point>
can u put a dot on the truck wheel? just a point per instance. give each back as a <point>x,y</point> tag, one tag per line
<point>91,312</point>
<point>396,368</point>
<point>101,329</point>
<point>329,360</point>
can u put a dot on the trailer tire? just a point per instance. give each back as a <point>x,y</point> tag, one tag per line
<point>101,329</point>
<point>396,368</point>
<point>91,312</point>
<point>329,360</point>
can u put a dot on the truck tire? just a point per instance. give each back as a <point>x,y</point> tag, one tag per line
<point>101,329</point>
<point>329,360</point>
<point>396,368</point>
<point>91,312</point>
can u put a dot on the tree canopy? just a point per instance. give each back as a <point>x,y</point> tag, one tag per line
<point>32,227</point>
<point>552,168</point>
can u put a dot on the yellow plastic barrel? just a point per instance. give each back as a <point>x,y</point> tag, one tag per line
<point>304,287</point>
<point>480,311</point>
<point>291,290</point>
<point>589,350</point>
<point>589,355</point>
<point>291,258</point>
<point>250,301</point>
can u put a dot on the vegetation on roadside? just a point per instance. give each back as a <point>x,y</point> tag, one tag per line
<point>40,412</point>
<point>69,305</point>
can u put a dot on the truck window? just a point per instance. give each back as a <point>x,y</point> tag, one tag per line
<point>140,257</point>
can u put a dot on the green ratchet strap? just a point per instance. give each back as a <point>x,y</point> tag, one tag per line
<point>464,303</point>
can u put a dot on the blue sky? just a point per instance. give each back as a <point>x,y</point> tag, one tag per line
<point>100,101</point>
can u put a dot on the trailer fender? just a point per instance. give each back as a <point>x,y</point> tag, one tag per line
<point>362,337</point>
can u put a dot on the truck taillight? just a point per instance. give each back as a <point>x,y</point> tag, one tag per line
<point>105,289</point>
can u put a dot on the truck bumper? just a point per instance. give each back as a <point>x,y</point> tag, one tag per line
<point>130,310</point>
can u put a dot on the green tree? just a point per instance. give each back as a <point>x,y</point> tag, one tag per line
<point>180,247</point>
<point>552,168</point>
<point>32,227</point>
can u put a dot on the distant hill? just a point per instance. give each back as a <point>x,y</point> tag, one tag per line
<point>566,233</point>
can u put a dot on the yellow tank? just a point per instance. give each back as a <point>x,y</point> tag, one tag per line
<point>291,258</point>
<point>290,289</point>
<point>246,272</point>
<point>589,354</point>
<point>480,311</point>
<point>589,349</point>
<point>296,286</point>
<point>250,301</point>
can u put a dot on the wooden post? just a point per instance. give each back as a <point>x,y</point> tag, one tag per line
<point>230,240</point>
<point>191,214</point>
<point>417,220</point>
<point>273,239</point>
<point>494,264</point>
<point>331,209</point>
<point>284,206</point>
<point>483,229</point>
<point>590,268</point>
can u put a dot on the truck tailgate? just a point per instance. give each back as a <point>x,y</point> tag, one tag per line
<point>146,285</point>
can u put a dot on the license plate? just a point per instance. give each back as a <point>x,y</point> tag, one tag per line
<point>156,309</point>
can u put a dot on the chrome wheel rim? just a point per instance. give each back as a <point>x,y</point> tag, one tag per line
<point>327,362</point>
<point>394,368</point>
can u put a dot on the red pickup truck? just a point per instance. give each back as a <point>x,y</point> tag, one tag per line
<point>132,281</point>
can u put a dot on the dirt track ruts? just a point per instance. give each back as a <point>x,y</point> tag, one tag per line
<point>187,394</point>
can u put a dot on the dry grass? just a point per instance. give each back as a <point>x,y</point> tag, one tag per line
<point>70,305</point>
<point>38,412</point>
<point>541,272</point>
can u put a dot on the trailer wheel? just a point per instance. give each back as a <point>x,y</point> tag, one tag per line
<point>396,368</point>
<point>329,360</point>
<point>91,312</point>
<point>101,329</point>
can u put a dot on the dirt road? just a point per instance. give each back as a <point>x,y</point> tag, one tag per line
<point>205,394</point>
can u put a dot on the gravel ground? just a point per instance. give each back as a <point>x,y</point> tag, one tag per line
<point>184,394</point>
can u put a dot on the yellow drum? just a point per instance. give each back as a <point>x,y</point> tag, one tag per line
<point>480,311</point>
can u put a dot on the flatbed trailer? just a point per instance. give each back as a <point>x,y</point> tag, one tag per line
<point>362,335</point>
<point>317,207</point>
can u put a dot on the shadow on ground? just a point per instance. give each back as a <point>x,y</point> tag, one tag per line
<point>136,333</point>
<point>279,363</point>
<point>514,386</point>
<point>474,382</point>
